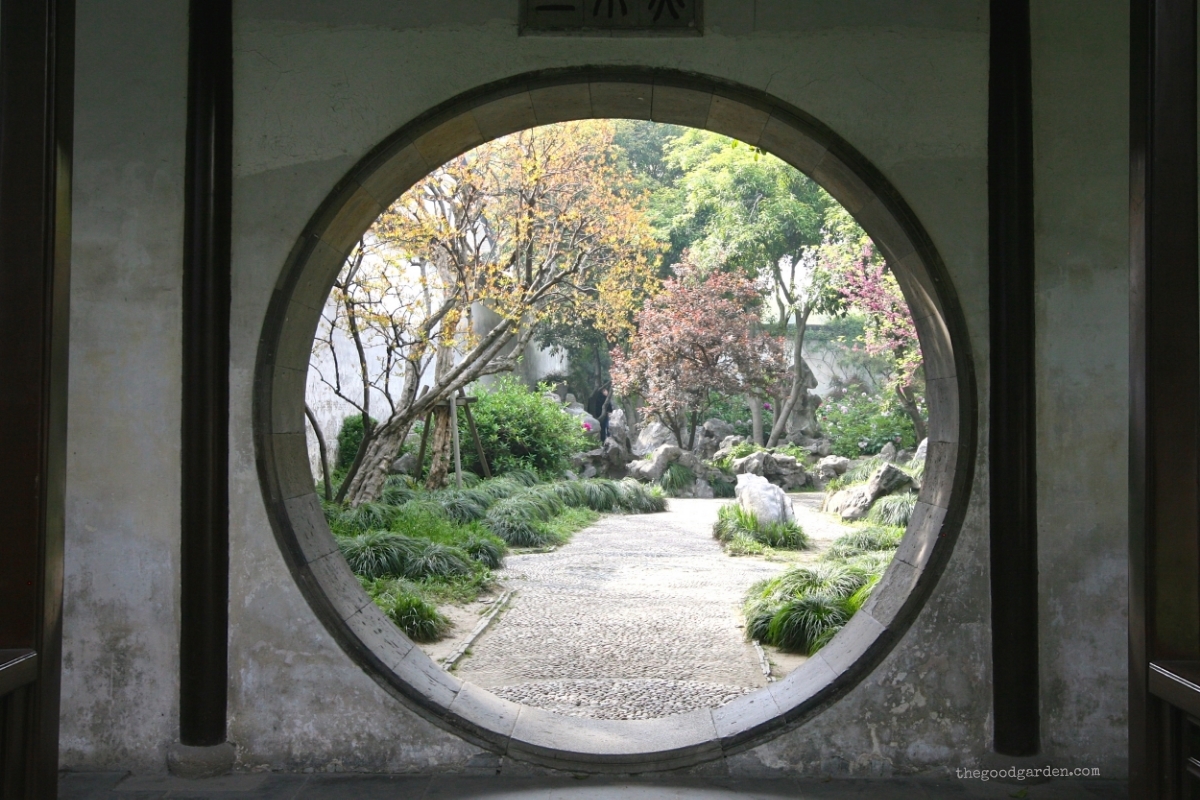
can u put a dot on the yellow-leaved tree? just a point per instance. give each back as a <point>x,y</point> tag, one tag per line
<point>530,228</point>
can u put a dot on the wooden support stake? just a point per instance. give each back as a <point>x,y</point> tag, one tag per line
<point>487,472</point>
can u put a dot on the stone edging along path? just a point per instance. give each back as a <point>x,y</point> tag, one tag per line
<point>638,617</point>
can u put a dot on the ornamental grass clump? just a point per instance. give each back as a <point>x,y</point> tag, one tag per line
<point>873,539</point>
<point>637,498</point>
<point>463,505</point>
<point>803,608</point>
<point>378,554</point>
<point>515,520</point>
<point>419,619</point>
<point>676,479</point>
<point>736,527</point>
<point>894,510</point>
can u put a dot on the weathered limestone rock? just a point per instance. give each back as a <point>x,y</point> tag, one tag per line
<point>888,453</point>
<point>768,502</point>
<point>830,467</point>
<point>921,450</point>
<point>618,427</point>
<point>652,436</point>
<point>855,503</point>
<point>710,437</point>
<point>702,488</point>
<point>726,448</point>
<point>651,469</point>
<point>779,469</point>
<point>752,464</point>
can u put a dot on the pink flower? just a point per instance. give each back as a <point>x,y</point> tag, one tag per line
<point>587,427</point>
<point>767,406</point>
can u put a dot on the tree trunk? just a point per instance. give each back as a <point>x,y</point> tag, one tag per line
<point>367,483</point>
<point>756,419</point>
<point>440,465</point>
<point>325,473</point>
<point>695,421</point>
<point>910,406</point>
<point>799,386</point>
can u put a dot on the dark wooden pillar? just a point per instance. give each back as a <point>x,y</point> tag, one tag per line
<point>1013,420</point>
<point>204,633</point>
<point>1164,377</point>
<point>36,80</point>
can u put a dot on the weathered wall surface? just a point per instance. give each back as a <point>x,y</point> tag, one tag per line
<point>120,662</point>
<point>1081,140</point>
<point>319,83</point>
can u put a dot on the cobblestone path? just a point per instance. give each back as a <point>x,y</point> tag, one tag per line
<point>638,617</point>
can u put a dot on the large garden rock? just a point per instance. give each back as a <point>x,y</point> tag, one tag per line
<point>777,468</point>
<point>888,453</point>
<point>752,464</point>
<point>650,469</point>
<point>726,448</point>
<point>768,502</point>
<point>854,503</point>
<point>618,427</point>
<point>702,489</point>
<point>710,436</point>
<point>404,465</point>
<point>651,437</point>
<point>830,467</point>
<point>922,448</point>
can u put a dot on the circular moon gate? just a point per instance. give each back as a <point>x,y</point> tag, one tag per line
<point>528,733</point>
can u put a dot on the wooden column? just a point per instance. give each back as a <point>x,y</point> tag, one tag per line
<point>1013,421</point>
<point>36,103</point>
<point>1164,375</point>
<point>204,631</point>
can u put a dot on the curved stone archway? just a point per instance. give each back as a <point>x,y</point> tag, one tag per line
<point>527,733</point>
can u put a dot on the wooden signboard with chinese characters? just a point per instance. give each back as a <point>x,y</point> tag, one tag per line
<point>612,17</point>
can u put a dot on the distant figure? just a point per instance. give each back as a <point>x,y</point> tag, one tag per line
<point>599,406</point>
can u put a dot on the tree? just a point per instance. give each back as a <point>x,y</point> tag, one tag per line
<point>535,228</point>
<point>699,336</point>
<point>747,211</point>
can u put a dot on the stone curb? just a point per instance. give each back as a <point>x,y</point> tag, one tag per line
<point>480,627</point>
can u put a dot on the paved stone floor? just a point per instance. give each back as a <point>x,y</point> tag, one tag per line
<point>637,617</point>
<point>274,786</point>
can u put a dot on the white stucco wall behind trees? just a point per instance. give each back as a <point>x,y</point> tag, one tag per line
<point>318,83</point>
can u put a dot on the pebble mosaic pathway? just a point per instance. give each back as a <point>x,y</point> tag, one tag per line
<point>637,617</point>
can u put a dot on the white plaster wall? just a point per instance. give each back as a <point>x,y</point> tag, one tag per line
<point>120,662</point>
<point>318,83</point>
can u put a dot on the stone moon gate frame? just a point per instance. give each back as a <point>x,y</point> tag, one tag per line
<point>402,668</point>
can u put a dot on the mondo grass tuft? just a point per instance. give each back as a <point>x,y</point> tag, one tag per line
<point>398,490</point>
<point>463,505</point>
<point>677,479</point>
<point>637,498</point>
<point>736,526</point>
<point>804,607</point>
<point>378,554</point>
<point>723,490</point>
<point>865,540</point>
<point>419,619</point>
<point>485,548</point>
<point>894,510</point>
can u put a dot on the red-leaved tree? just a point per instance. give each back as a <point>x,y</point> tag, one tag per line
<point>697,337</point>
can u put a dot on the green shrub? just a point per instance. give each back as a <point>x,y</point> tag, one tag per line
<point>861,424</point>
<point>349,437</point>
<point>864,540</point>
<point>735,524</point>
<point>895,509</point>
<point>485,548</point>
<point>676,479</point>
<point>521,429</point>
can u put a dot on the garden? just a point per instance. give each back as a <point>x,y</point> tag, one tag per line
<point>597,318</point>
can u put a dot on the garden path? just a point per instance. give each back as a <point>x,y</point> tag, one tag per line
<point>637,617</point>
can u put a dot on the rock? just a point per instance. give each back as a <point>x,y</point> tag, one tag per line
<point>574,408</point>
<point>569,475</point>
<point>750,465</point>
<point>569,399</point>
<point>727,445</point>
<point>855,503</point>
<point>589,471</point>
<point>552,397</point>
<point>830,467</point>
<point>888,453</point>
<point>702,488</point>
<point>904,456</point>
<point>922,448</point>
<point>784,470</point>
<point>820,448</point>
<point>710,436</point>
<point>768,502</point>
<point>651,437</point>
<point>404,465</point>
<point>651,469</point>
<point>618,427</point>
